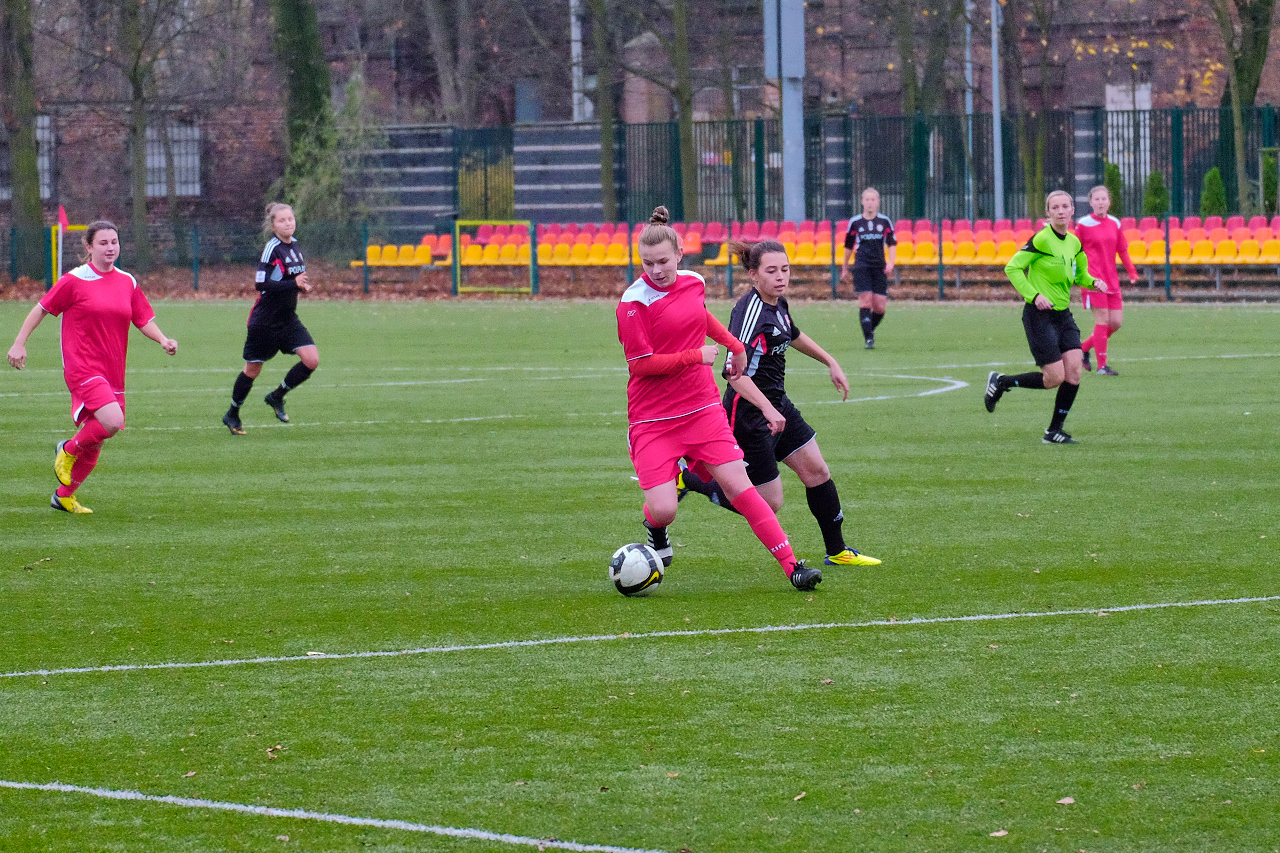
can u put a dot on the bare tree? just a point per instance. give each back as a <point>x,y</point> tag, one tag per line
<point>1029,21</point>
<point>18,102</point>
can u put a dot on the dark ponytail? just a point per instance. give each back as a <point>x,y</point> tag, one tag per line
<point>749,256</point>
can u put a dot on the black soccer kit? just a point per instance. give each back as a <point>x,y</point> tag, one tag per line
<point>870,237</point>
<point>273,322</point>
<point>767,331</point>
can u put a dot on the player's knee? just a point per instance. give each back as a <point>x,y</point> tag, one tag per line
<point>112,422</point>
<point>252,369</point>
<point>1114,326</point>
<point>311,360</point>
<point>661,513</point>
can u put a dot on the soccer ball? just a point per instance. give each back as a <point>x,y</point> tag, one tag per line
<point>635,569</point>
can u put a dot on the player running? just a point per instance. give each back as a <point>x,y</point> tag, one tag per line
<point>1042,271</point>
<point>1102,238</point>
<point>97,301</point>
<point>870,237</point>
<point>768,427</point>
<point>273,322</point>
<point>673,405</point>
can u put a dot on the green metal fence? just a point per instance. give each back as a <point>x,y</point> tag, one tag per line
<point>484,159</point>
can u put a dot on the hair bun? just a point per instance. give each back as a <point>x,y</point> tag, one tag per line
<point>660,216</point>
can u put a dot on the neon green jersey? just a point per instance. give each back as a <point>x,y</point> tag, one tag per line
<point>1048,265</point>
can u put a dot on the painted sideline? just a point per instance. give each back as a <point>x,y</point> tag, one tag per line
<point>650,635</point>
<point>303,814</point>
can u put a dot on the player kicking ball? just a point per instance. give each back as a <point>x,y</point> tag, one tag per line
<point>1043,271</point>
<point>273,321</point>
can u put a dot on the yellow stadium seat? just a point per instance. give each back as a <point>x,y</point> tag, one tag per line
<point>948,252</point>
<point>804,254</point>
<point>522,254</point>
<point>965,253</point>
<point>986,253</point>
<point>1202,252</point>
<point>822,254</point>
<point>790,248</point>
<point>597,254</point>
<point>722,257</point>
<point>473,255</point>
<point>906,253</point>
<point>404,257</point>
<point>616,255</point>
<point>562,253</point>
<point>1225,252</point>
<point>1005,251</point>
<point>1138,251</point>
<point>373,255</point>
<point>1249,252</point>
<point>580,254</point>
<point>926,253</point>
<point>491,253</point>
<point>1180,252</point>
<point>1270,253</point>
<point>388,256</point>
<point>422,255</point>
<point>1155,252</point>
<point>545,251</point>
<point>509,253</point>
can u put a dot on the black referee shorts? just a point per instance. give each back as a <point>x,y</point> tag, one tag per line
<point>870,280</point>
<point>760,450</point>
<point>1049,333</point>
<point>263,342</point>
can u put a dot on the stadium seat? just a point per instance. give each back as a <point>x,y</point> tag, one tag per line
<point>1022,235</point>
<point>804,254</point>
<point>580,255</point>
<point>1022,225</point>
<point>906,252</point>
<point>560,257</point>
<point>1241,234</point>
<point>960,225</point>
<point>1176,234</point>
<point>619,238</point>
<point>1131,234</point>
<point>404,257</point>
<point>722,257</point>
<point>922,225</point>
<point>373,255</point>
<point>1005,251</point>
<point>589,228</point>
<point>693,243</point>
<point>492,253</point>
<point>679,228</point>
<point>546,253</point>
<point>1233,222</point>
<point>1128,222</point>
<point>510,253</point>
<point>473,254</point>
<point>522,254</point>
<point>422,255</point>
<point>986,253</point>
<point>570,228</point>
<point>965,253</point>
<point>597,254</point>
<point>787,237</point>
<point>1138,251</point>
<point>1212,222</point>
<point>822,254</point>
<point>502,231</point>
<point>1263,234</point>
<point>601,239</point>
<point>926,252</point>
<point>902,226</point>
<point>1270,253</point>
<point>823,227</point>
<point>1179,252</point>
<point>1195,235</point>
<point>1217,235</point>
<point>1256,222</point>
<point>986,235</point>
<point>616,254</point>
<point>981,225</point>
<point>1249,251</point>
<point>1146,223</point>
<point>750,232</point>
<point>961,236</point>
<point>1155,251</point>
<point>430,240</point>
<point>1201,252</point>
<point>1189,222</point>
<point>1150,234</point>
<point>769,230</point>
<point>948,252</point>
<point>1225,252</point>
<point>714,233</point>
<point>1005,234</point>
<point>1002,225</point>
<point>582,238</point>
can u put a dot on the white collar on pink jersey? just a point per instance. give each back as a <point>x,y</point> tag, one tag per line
<point>1089,220</point>
<point>642,290</point>
<point>86,272</point>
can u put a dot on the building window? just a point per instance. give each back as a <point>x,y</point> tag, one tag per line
<point>184,147</point>
<point>44,161</point>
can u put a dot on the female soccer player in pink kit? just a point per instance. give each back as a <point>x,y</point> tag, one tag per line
<point>673,403</point>
<point>97,302</point>
<point>1102,239</point>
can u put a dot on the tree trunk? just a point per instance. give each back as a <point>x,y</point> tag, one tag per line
<point>171,193</point>
<point>1249,57</point>
<point>297,46</point>
<point>131,32</point>
<point>1243,202</point>
<point>684,103</point>
<point>17,75</point>
<point>604,105</point>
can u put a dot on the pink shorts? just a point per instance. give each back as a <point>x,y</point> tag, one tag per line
<point>1112,300</point>
<point>657,446</point>
<point>91,395</point>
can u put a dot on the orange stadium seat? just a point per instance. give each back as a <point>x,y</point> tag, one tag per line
<point>1132,234</point>
<point>1217,235</point>
<point>1195,235</point>
<point>1241,234</point>
<point>1150,234</point>
<point>986,235</point>
<point>1263,234</point>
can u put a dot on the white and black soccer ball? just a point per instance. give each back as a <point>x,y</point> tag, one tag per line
<point>635,569</point>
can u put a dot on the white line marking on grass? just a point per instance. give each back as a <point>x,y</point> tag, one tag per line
<point>304,814</point>
<point>949,385</point>
<point>650,635</point>
<point>330,423</point>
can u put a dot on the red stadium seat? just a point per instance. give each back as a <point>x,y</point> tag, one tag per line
<point>714,233</point>
<point>923,225</point>
<point>1174,222</point>
<point>1127,222</point>
<point>769,230</point>
<point>1233,222</point>
<point>1257,222</point>
<point>1275,224</point>
<point>679,228</point>
<point>902,226</point>
<point>1147,223</point>
<point>1002,225</point>
<point>981,225</point>
<point>823,227</point>
<point>959,225</point>
<point>735,230</point>
<point>750,232</point>
<point>1022,225</point>
<point>430,240</point>
<point>570,228</point>
<point>808,226</point>
<point>484,233</point>
<point>606,228</point>
<point>1191,222</point>
<point>589,228</point>
<point>787,225</point>
<point>444,245</point>
<point>1212,222</point>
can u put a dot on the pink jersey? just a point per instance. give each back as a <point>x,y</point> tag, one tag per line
<point>653,321</point>
<point>96,310</point>
<point>1102,240</point>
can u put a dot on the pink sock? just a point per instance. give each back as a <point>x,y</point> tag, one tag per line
<point>764,524</point>
<point>86,459</point>
<point>90,435</point>
<point>1087,343</point>
<point>1099,337</point>
<point>649,518</point>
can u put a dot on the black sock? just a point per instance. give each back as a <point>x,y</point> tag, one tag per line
<point>868,326</point>
<point>714,492</point>
<point>824,503</point>
<point>240,392</point>
<point>876,317</point>
<point>1035,379</point>
<point>1062,405</point>
<point>297,374</point>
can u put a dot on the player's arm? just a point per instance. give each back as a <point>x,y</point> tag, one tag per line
<point>891,249</point>
<point>1122,249</point>
<point>263,281</point>
<point>718,333</point>
<point>808,346</point>
<point>850,250</point>
<point>1016,270</point>
<point>151,330</point>
<point>663,363</point>
<point>749,391</point>
<point>1083,278</point>
<point>18,352</point>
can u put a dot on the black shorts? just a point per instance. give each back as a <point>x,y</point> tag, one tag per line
<point>761,450</point>
<point>263,342</point>
<point>1050,333</point>
<point>869,280</point>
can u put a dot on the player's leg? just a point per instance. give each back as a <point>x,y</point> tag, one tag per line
<point>764,523</point>
<point>298,341</point>
<point>824,503</point>
<point>659,511</point>
<point>1115,318</point>
<point>1067,376</point>
<point>1043,340</point>
<point>862,285</point>
<point>751,431</point>
<point>239,393</point>
<point>1096,303</point>
<point>879,301</point>
<point>656,449</point>
<point>82,451</point>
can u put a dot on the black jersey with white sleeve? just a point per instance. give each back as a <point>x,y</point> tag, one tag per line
<point>870,237</point>
<point>767,332</point>
<point>276,281</point>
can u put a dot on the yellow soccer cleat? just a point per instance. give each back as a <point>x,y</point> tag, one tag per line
<point>850,557</point>
<point>69,504</point>
<point>62,463</point>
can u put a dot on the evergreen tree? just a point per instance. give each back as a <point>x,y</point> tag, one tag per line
<point>1115,185</point>
<point>1155,200</point>
<point>1213,195</point>
<point>1270,185</point>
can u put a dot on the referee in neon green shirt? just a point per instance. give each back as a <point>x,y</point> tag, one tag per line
<point>1043,272</point>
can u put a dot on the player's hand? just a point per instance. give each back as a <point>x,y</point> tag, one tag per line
<point>838,379</point>
<point>709,353</point>
<point>169,345</point>
<point>1133,282</point>
<point>888,267</point>
<point>777,423</point>
<point>17,356</point>
<point>302,283</point>
<point>1042,302</point>
<point>735,363</point>
<point>844,274</point>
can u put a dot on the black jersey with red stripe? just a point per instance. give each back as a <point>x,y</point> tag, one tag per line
<point>869,237</point>
<point>276,281</point>
<point>767,331</point>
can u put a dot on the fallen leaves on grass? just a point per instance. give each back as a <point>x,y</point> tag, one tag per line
<point>827,681</point>
<point>272,750</point>
<point>1066,801</point>
<point>1139,786</point>
<point>315,654</point>
<point>1000,833</point>
<point>993,646</point>
<point>282,838</point>
<point>800,796</point>
<point>188,775</point>
<point>604,788</point>
<point>673,775</point>
<point>32,567</point>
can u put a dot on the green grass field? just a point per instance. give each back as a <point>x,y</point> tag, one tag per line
<point>457,474</point>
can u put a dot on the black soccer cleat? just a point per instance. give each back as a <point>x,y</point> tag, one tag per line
<point>804,578</point>
<point>994,391</point>
<point>871,342</point>
<point>1107,371</point>
<point>1086,362</point>
<point>1057,436</point>
<point>276,402</point>
<point>232,421</point>
<point>658,540</point>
